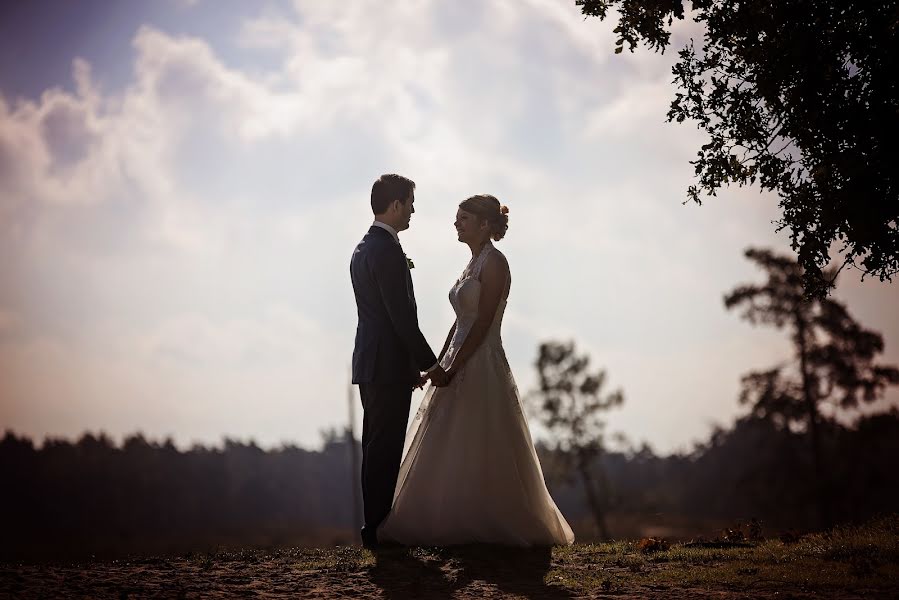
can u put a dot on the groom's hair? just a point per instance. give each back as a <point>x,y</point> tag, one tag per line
<point>388,188</point>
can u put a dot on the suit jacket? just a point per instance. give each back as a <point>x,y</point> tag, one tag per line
<point>390,347</point>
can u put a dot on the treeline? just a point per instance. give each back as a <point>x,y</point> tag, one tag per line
<point>756,470</point>
<point>92,497</point>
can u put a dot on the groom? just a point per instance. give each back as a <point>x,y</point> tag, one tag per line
<point>390,351</point>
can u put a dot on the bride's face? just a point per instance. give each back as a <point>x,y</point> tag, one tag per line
<point>470,227</point>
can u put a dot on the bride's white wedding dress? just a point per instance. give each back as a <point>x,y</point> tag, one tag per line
<point>470,473</point>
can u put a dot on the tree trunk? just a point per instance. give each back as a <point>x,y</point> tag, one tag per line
<point>593,499</point>
<point>811,408</point>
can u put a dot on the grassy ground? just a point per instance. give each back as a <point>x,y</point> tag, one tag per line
<point>858,562</point>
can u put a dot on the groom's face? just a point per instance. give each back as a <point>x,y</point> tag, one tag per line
<point>405,211</point>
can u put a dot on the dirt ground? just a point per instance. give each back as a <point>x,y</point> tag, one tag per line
<point>350,572</point>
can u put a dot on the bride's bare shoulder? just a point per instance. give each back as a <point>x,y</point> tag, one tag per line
<point>496,265</point>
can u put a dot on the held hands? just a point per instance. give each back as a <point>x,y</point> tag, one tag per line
<point>422,380</point>
<point>438,377</point>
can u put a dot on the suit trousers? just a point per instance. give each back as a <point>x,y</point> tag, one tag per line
<point>384,421</point>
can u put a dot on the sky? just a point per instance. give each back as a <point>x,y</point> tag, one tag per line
<point>182,184</point>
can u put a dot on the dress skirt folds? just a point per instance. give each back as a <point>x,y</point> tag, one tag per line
<point>470,473</point>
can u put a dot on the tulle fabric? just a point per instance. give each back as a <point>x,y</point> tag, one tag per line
<point>470,473</point>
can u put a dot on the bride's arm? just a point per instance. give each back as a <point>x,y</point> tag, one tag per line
<point>449,336</point>
<point>494,275</point>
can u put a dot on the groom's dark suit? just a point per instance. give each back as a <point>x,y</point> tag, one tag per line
<point>389,355</point>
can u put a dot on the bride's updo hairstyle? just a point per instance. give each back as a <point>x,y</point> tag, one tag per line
<point>488,208</point>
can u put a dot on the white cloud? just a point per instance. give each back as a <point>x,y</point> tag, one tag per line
<point>628,114</point>
<point>177,250</point>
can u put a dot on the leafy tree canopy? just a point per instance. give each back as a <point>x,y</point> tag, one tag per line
<point>801,97</point>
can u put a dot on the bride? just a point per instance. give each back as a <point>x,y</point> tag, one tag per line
<point>470,473</point>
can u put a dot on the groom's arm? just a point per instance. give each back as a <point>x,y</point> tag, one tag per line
<point>390,275</point>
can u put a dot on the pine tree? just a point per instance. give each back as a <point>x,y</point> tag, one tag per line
<point>832,368</point>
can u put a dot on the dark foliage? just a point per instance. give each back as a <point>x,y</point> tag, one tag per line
<point>799,96</point>
<point>90,497</point>
<point>754,470</point>
<point>833,365</point>
<point>570,404</point>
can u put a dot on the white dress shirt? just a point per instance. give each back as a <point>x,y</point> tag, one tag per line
<point>388,229</point>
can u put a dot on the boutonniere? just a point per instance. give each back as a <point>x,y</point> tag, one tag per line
<point>409,262</point>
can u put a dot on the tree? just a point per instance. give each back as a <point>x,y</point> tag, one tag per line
<point>569,404</point>
<point>833,364</point>
<point>800,96</point>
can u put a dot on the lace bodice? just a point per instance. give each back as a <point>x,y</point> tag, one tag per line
<point>464,296</point>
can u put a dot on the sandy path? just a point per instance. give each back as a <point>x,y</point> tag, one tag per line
<point>289,574</point>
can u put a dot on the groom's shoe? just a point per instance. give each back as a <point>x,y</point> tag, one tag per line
<point>369,538</point>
